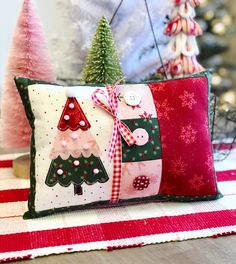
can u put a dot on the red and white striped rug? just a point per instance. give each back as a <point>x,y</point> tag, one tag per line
<point>110,228</point>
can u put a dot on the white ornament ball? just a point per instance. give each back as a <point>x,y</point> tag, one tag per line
<point>96,171</point>
<point>82,123</point>
<point>71,106</point>
<point>74,136</point>
<point>76,163</point>
<point>60,172</point>
<point>70,93</point>
<point>64,143</point>
<point>66,117</point>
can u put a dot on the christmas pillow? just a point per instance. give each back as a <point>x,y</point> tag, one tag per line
<point>117,144</point>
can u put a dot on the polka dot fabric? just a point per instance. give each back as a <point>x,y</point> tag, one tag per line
<point>141,182</point>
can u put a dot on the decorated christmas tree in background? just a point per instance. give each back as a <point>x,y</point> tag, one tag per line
<point>28,57</point>
<point>217,52</point>
<point>217,45</point>
<point>183,29</point>
<point>102,64</point>
<point>75,153</point>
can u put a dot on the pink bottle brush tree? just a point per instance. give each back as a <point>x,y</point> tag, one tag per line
<point>183,30</point>
<point>29,58</point>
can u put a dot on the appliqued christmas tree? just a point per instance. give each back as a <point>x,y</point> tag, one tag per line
<point>102,64</point>
<point>75,153</point>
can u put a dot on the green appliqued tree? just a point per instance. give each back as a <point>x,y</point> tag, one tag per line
<point>75,153</point>
<point>147,134</point>
<point>77,171</point>
<point>102,64</point>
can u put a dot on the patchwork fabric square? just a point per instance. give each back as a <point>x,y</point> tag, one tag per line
<point>111,145</point>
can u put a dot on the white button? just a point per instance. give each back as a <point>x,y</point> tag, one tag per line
<point>132,98</point>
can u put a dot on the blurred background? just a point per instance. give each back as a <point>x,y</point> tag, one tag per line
<point>69,26</point>
<point>218,47</point>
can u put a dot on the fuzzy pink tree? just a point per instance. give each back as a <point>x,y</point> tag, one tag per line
<point>183,30</point>
<point>29,58</point>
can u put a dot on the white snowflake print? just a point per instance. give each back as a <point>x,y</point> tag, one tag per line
<point>188,134</point>
<point>178,166</point>
<point>188,100</point>
<point>209,164</point>
<point>167,188</point>
<point>164,110</point>
<point>196,182</point>
<point>206,125</point>
<point>127,167</point>
<point>158,88</point>
<point>163,140</point>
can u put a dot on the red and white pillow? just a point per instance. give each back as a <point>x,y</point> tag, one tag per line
<point>171,158</point>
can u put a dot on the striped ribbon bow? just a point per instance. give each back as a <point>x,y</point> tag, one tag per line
<point>119,128</point>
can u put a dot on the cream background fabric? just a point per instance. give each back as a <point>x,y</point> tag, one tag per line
<point>47,103</point>
<point>48,108</point>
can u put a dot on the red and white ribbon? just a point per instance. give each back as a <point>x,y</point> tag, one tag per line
<point>119,129</point>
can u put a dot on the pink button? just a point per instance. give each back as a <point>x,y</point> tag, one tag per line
<point>141,136</point>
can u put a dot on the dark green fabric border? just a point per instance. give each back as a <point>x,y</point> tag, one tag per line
<point>22,86</point>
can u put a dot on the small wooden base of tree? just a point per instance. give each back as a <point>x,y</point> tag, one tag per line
<point>21,167</point>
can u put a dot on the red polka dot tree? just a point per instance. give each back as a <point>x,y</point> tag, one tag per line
<point>29,58</point>
<point>75,152</point>
<point>183,30</point>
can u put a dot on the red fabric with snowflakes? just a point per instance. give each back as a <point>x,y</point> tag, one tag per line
<point>182,107</point>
